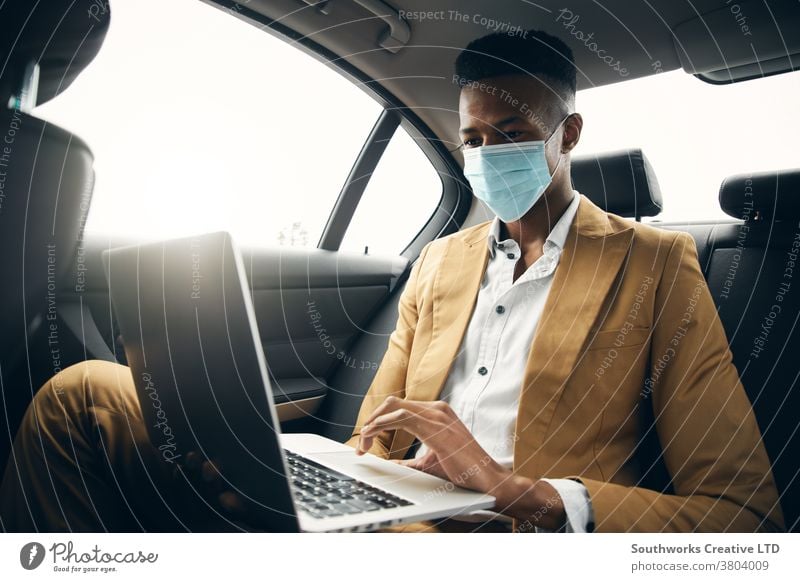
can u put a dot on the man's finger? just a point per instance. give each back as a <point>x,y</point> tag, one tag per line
<point>411,463</point>
<point>390,406</point>
<point>193,461</point>
<point>232,503</point>
<point>212,477</point>
<point>393,403</point>
<point>411,422</point>
<point>364,444</point>
<point>428,463</point>
<point>388,419</point>
<point>209,472</point>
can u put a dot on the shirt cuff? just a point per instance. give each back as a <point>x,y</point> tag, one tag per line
<point>577,505</point>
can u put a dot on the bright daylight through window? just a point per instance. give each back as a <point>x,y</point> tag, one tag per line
<point>211,124</point>
<point>231,128</point>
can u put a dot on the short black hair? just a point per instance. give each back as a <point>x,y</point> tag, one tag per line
<point>531,52</point>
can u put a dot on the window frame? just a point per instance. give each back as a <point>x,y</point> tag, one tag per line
<point>456,197</point>
<point>357,180</point>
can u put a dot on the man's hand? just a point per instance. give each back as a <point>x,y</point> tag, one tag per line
<point>455,455</point>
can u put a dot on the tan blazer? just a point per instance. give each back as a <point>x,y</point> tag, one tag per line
<point>629,322</point>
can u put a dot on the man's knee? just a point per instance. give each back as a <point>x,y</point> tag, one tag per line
<point>90,384</point>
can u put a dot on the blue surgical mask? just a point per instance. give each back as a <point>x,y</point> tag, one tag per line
<point>509,177</point>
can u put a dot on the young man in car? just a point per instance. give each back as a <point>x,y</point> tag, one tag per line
<point>519,361</point>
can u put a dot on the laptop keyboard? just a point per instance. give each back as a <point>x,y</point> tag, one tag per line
<point>323,492</point>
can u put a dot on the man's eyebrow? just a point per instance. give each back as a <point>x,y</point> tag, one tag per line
<point>508,120</point>
<point>501,123</point>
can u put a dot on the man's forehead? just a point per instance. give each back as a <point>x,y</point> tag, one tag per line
<point>497,102</point>
<point>519,86</point>
<point>510,91</point>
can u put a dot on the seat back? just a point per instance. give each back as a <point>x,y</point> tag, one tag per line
<point>621,182</point>
<point>45,189</point>
<point>46,181</point>
<point>753,274</point>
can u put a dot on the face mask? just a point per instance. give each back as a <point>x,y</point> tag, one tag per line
<point>509,177</point>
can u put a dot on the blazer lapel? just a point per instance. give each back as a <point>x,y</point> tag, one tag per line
<point>455,291</point>
<point>592,257</point>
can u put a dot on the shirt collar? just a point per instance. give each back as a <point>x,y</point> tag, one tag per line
<point>558,234</point>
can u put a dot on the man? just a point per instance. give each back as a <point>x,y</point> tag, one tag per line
<point>622,297</point>
<point>523,355</point>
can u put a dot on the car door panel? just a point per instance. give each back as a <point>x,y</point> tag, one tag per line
<point>310,306</point>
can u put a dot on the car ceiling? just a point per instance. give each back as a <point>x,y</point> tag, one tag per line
<point>703,37</point>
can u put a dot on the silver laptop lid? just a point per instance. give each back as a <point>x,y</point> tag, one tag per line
<point>192,343</point>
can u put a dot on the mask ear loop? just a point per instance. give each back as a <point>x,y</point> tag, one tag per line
<point>560,123</point>
<point>552,135</point>
<point>560,154</point>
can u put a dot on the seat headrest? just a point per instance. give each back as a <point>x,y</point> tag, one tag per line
<point>63,36</point>
<point>620,182</point>
<point>766,194</point>
<point>46,181</point>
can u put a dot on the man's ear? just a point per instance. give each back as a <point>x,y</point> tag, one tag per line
<point>572,132</point>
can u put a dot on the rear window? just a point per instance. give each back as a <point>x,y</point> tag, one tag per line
<point>695,134</point>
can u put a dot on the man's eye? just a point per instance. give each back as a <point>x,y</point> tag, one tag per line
<point>511,135</point>
<point>472,142</point>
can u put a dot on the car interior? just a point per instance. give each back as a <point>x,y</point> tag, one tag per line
<point>56,309</point>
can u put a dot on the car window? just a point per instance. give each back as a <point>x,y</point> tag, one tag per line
<point>695,134</point>
<point>402,194</point>
<point>211,124</point>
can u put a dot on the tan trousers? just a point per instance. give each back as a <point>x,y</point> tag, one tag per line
<point>82,461</point>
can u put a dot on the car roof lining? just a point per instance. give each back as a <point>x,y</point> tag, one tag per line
<point>420,74</point>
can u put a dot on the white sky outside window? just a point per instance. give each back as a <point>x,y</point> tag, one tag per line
<point>199,122</point>
<point>403,179</point>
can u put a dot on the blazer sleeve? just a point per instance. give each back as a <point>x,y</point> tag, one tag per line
<point>390,378</point>
<point>708,433</point>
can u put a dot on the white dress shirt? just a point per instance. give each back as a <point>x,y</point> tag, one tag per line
<point>484,383</point>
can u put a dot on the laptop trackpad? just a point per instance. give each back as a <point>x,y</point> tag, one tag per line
<point>390,476</point>
<point>408,483</point>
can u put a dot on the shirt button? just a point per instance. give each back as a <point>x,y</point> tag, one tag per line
<point>510,255</point>
<point>483,371</point>
<point>500,309</point>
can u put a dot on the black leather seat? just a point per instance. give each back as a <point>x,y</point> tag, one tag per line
<point>46,181</point>
<point>744,263</point>
<point>621,182</point>
<point>753,273</point>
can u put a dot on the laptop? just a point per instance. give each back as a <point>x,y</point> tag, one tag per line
<point>190,335</point>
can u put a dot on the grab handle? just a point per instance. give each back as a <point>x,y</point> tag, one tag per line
<point>397,34</point>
